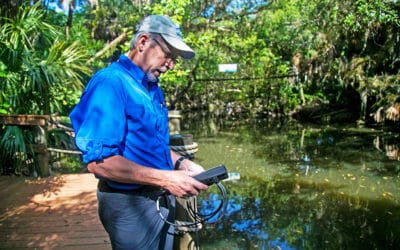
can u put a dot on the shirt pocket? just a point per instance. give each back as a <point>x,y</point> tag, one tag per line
<point>142,119</point>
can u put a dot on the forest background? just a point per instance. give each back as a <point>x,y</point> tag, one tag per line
<point>325,61</point>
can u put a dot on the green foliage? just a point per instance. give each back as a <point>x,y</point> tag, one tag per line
<point>262,37</point>
<point>343,49</point>
<point>14,153</point>
<point>41,72</point>
<point>37,63</point>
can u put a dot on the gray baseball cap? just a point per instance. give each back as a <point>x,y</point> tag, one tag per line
<point>169,31</point>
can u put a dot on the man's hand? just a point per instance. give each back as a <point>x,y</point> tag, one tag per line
<point>191,168</point>
<point>182,185</point>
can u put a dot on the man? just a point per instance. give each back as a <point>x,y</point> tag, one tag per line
<point>121,127</point>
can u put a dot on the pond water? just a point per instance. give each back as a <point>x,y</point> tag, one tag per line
<point>301,187</point>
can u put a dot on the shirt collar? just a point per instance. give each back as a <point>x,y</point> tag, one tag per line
<point>135,71</point>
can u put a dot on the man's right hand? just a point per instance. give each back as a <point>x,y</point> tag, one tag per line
<point>180,184</point>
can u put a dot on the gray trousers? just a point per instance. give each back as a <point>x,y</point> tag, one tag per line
<point>132,220</point>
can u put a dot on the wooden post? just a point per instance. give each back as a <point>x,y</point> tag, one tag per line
<point>41,152</point>
<point>183,236</point>
<point>174,122</point>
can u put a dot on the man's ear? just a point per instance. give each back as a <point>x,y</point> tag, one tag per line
<point>142,42</point>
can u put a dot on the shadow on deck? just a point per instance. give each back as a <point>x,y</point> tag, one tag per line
<point>58,212</point>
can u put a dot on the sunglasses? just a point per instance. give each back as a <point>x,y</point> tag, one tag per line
<point>165,49</point>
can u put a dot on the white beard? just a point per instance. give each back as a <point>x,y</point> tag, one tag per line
<point>151,78</point>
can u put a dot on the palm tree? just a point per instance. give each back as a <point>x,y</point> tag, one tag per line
<point>39,70</point>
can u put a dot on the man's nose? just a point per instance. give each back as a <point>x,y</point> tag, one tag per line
<point>170,64</point>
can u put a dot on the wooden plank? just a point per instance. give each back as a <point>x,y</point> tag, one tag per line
<point>54,241</point>
<point>26,120</point>
<point>70,235</point>
<point>58,212</point>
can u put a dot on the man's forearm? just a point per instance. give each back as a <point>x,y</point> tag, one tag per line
<point>120,169</point>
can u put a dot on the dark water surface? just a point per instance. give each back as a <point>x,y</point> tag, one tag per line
<point>301,187</point>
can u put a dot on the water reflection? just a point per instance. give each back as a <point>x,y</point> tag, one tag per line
<point>391,149</point>
<point>303,187</point>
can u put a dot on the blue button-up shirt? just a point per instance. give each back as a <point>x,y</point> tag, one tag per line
<point>119,113</point>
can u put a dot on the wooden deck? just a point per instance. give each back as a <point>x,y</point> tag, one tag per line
<point>58,212</point>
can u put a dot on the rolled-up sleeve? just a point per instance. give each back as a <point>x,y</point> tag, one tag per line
<point>98,119</point>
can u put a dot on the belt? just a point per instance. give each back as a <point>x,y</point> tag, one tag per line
<point>102,186</point>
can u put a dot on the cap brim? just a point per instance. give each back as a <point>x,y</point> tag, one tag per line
<point>182,48</point>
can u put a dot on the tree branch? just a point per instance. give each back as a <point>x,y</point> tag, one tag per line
<point>112,44</point>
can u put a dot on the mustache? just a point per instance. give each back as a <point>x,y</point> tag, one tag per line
<point>162,69</point>
<point>151,73</point>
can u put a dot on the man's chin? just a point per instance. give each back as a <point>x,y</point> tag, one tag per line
<point>152,78</point>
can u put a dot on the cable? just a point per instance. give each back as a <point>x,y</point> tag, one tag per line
<point>192,211</point>
<point>198,218</point>
<point>222,207</point>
